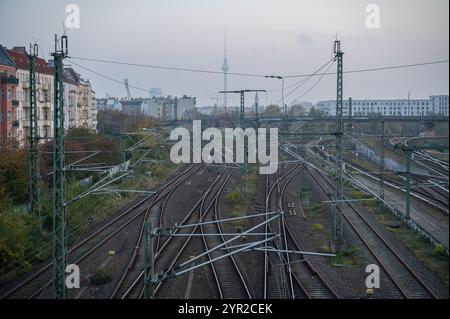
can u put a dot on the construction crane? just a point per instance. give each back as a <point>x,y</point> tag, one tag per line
<point>127,87</point>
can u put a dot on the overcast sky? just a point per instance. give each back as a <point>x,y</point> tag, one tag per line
<point>264,36</point>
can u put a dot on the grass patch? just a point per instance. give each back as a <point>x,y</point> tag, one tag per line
<point>432,256</point>
<point>348,257</point>
<point>315,210</point>
<point>100,276</point>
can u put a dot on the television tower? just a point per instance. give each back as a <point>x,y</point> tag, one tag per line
<point>225,69</point>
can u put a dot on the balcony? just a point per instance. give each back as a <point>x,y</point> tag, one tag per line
<point>45,122</point>
<point>9,80</point>
<point>26,84</point>
<point>45,87</point>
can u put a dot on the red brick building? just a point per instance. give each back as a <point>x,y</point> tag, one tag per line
<point>8,99</point>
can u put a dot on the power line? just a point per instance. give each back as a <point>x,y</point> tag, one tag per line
<point>121,82</point>
<point>302,82</point>
<point>107,77</point>
<point>168,67</point>
<point>312,87</point>
<point>182,69</point>
<point>297,84</point>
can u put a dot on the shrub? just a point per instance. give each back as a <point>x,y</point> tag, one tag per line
<point>439,249</point>
<point>358,194</point>
<point>100,276</point>
<point>318,227</point>
<point>233,198</point>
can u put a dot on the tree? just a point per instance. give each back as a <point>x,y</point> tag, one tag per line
<point>14,175</point>
<point>272,110</point>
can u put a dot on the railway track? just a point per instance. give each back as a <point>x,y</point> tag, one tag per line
<point>428,195</point>
<point>302,277</point>
<point>174,248</point>
<point>229,279</point>
<point>35,285</point>
<point>407,282</point>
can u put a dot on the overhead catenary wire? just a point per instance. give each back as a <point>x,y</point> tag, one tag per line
<point>185,69</point>
<point>312,87</point>
<point>299,84</point>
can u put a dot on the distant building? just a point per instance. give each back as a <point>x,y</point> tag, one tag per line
<point>133,107</point>
<point>298,110</point>
<point>109,103</point>
<point>164,107</point>
<point>79,97</point>
<point>186,106</point>
<point>8,98</point>
<point>44,94</point>
<point>435,105</point>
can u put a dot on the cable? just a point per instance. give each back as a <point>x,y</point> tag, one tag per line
<point>302,82</point>
<point>168,67</point>
<point>121,83</point>
<point>312,87</point>
<point>255,74</point>
<point>107,77</point>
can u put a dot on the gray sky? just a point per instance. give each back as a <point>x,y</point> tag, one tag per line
<point>264,37</point>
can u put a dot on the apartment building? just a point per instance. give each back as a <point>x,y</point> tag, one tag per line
<point>44,95</point>
<point>8,101</point>
<point>434,105</point>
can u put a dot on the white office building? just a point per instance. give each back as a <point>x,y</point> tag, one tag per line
<point>435,105</point>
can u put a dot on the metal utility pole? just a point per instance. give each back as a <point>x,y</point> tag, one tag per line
<point>409,150</point>
<point>337,208</point>
<point>34,168</point>
<point>284,106</point>
<point>175,110</point>
<point>59,219</point>
<point>122,148</point>
<point>382,162</point>
<point>149,270</point>
<point>242,104</point>
<point>256,109</point>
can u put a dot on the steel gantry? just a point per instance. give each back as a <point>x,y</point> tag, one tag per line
<point>339,123</point>
<point>59,219</point>
<point>33,138</point>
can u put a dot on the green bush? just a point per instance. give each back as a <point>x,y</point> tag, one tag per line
<point>439,250</point>
<point>318,227</point>
<point>100,276</point>
<point>233,198</point>
<point>358,194</point>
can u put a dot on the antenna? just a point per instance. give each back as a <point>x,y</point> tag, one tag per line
<point>225,69</point>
